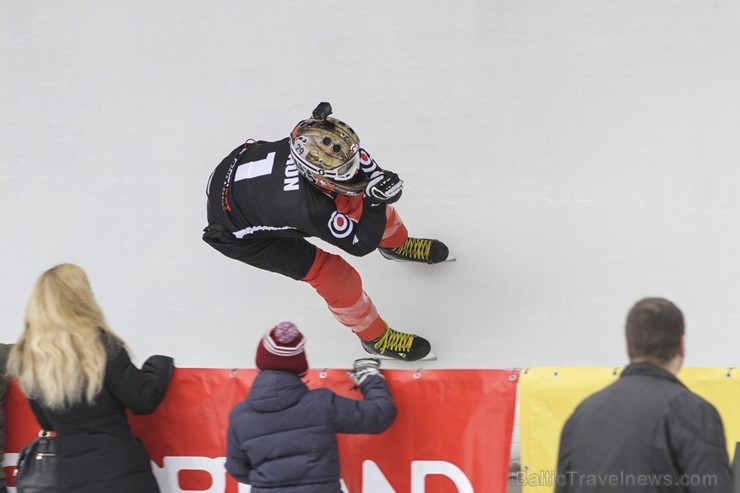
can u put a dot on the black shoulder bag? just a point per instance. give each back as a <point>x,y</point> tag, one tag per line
<point>36,470</point>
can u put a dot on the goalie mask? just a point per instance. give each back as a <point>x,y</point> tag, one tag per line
<point>327,152</point>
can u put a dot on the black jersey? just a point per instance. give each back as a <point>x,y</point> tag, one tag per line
<point>257,192</point>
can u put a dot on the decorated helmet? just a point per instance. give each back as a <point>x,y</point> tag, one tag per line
<point>327,152</point>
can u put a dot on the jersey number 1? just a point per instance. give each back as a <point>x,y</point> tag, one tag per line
<point>255,168</point>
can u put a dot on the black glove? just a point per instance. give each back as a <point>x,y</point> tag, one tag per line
<point>363,368</point>
<point>384,186</point>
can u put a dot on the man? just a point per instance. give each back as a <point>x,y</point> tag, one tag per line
<point>265,197</point>
<point>646,432</point>
<point>282,438</point>
<point>4,350</point>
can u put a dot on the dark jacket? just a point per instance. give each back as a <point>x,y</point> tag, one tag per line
<point>4,350</point>
<point>282,438</point>
<point>644,433</point>
<point>98,453</point>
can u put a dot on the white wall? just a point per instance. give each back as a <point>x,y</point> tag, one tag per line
<point>576,155</point>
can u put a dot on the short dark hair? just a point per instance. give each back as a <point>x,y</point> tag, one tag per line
<point>654,329</point>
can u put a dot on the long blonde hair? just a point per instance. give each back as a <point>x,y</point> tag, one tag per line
<point>60,358</point>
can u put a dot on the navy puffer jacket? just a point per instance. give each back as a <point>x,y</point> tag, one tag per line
<point>282,438</point>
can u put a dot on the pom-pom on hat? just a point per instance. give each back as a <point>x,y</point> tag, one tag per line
<point>282,348</point>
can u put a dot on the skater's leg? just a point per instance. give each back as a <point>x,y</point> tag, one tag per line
<point>395,233</point>
<point>340,285</point>
<point>332,277</point>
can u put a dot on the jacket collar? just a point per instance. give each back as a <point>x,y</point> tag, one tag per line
<point>276,390</point>
<point>649,370</point>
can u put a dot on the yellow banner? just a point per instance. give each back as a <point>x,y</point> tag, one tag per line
<point>548,396</point>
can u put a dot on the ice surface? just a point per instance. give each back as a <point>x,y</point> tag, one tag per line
<point>574,155</point>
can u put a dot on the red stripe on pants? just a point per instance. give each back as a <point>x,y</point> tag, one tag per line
<point>395,233</point>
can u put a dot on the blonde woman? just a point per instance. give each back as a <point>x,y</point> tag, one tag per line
<point>79,380</point>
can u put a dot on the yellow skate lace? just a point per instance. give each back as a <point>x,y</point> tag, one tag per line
<point>417,248</point>
<point>395,341</point>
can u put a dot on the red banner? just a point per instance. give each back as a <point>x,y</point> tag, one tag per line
<point>452,433</point>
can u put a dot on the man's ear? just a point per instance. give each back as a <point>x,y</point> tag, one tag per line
<point>682,346</point>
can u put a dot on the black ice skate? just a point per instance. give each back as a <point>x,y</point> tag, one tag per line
<point>419,250</point>
<point>399,345</point>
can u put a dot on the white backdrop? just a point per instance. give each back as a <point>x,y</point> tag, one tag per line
<point>576,155</point>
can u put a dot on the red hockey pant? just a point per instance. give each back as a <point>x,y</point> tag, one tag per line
<point>340,284</point>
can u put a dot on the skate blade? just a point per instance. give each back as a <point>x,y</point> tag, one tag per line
<point>429,357</point>
<point>449,258</point>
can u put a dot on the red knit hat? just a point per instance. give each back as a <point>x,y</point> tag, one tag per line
<point>282,349</point>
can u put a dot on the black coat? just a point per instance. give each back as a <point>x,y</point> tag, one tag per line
<point>644,433</point>
<point>98,453</point>
<point>282,439</point>
<point>4,351</point>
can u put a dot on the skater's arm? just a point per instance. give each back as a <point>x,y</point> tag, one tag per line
<point>359,230</point>
<point>357,238</point>
<point>374,414</point>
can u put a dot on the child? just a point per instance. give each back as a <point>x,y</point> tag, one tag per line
<point>282,438</point>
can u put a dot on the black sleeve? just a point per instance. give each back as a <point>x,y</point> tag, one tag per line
<point>356,238</point>
<point>367,163</point>
<point>141,391</point>
<point>698,442</point>
<point>564,468</point>
<point>4,352</point>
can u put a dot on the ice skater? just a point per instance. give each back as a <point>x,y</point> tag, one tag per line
<point>266,197</point>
